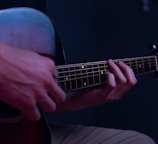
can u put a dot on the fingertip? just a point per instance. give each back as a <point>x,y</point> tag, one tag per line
<point>49,107</point>
<point>110,61</point>
<point>63,96</point>
<point>111,80</point>
<point>60,95</point>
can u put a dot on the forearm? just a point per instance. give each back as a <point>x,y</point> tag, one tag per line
<point>79,101</point>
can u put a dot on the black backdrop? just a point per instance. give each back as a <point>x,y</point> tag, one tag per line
<point>98,30</point>
<point>40,5</point>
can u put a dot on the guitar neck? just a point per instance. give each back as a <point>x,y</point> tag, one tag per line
<point>83,75</point>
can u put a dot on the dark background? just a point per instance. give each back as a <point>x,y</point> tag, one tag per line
<point>100,29</point>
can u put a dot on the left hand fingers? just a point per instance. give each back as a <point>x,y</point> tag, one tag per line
<point>124,78</point>
<point>123,73</point>
<point>128,72</point>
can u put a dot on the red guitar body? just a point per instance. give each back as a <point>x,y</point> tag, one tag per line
<point>24,132</point>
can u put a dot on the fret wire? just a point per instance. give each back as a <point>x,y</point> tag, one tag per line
<point>87,76</point>
<point>87,81</point>
<point>102,62</point>
<point>88,73</point>
<point>96,75</point>
<point>98,71</point>
<point>85,73</point>
<point>82,76</point>
<point>75,79</point>
<point>79,78</point>
<point>107,66</point>
<point>87,70</point>
<point>142,62</point>
<point>99,74</point>
<point>139,63</point>
<point>92,63</point>
<point>140,66</point>
<point>124,61</point>
<point>149,64</point>
<point>70,81</point>
<point>153,64</point>
<point>63,80</point>
<point>78,88</point>
<point>136,65</point>
<point>93,84</point>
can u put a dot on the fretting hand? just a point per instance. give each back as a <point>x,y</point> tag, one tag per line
<point>119,80</point>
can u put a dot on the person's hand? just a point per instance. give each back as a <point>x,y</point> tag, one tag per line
<point>28,82</point>
<point>120,79</point>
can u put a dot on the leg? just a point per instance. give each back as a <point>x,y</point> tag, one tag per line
<point>71,134</point>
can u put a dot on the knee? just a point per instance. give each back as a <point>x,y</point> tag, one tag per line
<point>139,138</point>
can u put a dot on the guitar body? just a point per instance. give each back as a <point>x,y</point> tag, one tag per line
<point>25,132</point>
<point>30,29</point>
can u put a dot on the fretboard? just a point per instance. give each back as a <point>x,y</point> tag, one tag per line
<point>83,75</point>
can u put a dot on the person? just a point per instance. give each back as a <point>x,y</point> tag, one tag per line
<point>29,74</point>
<point>28,82</point>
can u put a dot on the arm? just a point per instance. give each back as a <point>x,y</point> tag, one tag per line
<point>28,79</point>
<point>119,81</point>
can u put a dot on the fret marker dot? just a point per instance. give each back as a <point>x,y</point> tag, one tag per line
<point>82,67</point>
<point>67,78</point>
<point>140,66</point>
<point>84,84</point>
<point>102,72</point>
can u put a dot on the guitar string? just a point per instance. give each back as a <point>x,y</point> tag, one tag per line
<point>105,62</point>
<point>101,69</point>
<point>77,85</point>
<point>86,66</point>
<point>104,66</point>
<point>96,74</point>
<point>93,74</point>
<point>67,84</point>
<point>150,63</point>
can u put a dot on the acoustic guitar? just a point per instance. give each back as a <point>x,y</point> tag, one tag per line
<point>30,29</point>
